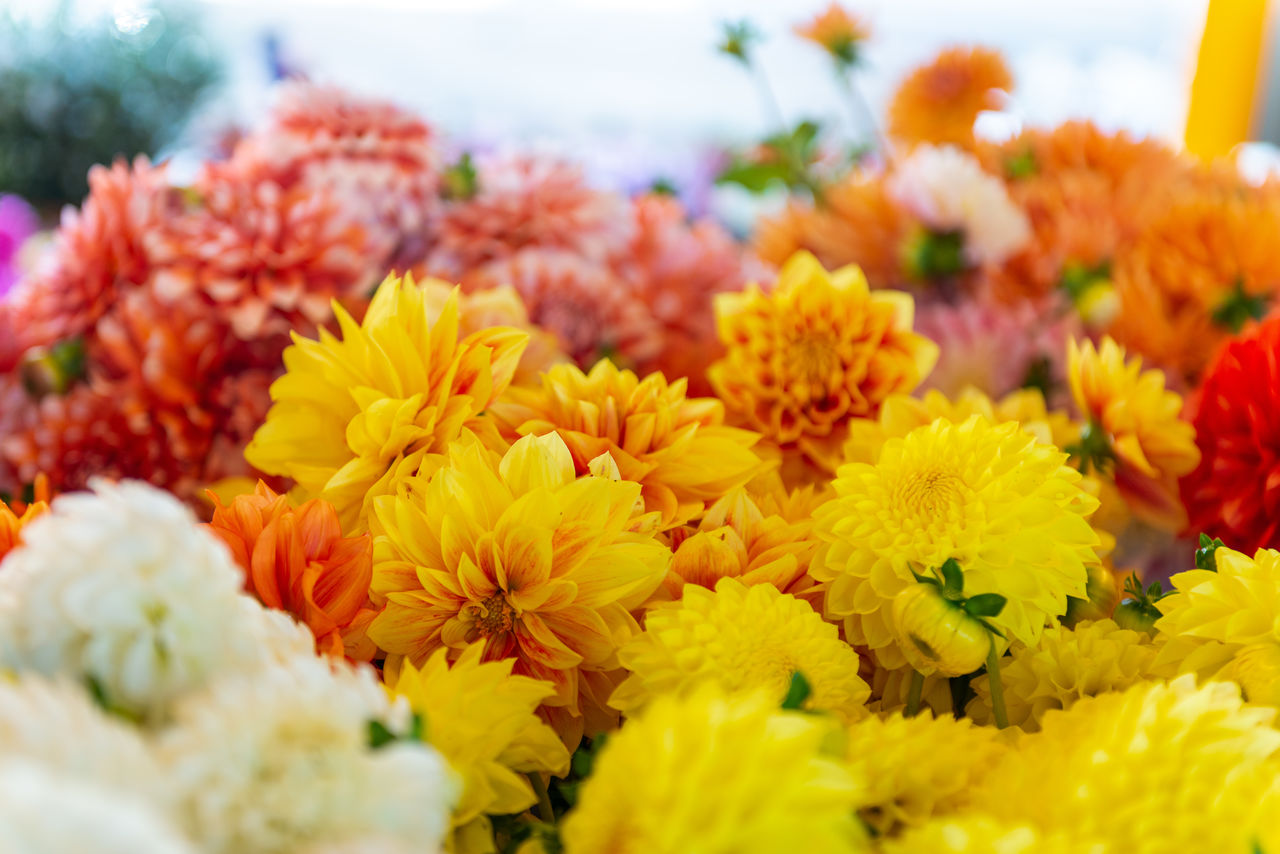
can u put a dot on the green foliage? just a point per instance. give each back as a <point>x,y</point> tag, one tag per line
<point>797,692</point>
<point>1239,307</point>
<point>787,159</point>
<point>1206,555</point>
<point>71,97</point>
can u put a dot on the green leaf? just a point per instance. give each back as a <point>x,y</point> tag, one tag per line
<point>755,177</point>
<point>1206,555</point>
<point>737,38</point>
<point>1239,307</point>
<point>461,181</point>
<point>798,691</point>
<point>379,735</point>
<point>984,605</point>
<point>952,578</point>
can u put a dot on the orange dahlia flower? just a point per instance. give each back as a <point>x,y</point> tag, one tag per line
<point>858,224</point>
<point>836,31</point>
<point>678,448</point>
<point>939,101</point>
<point>1134,431</point>
<point>822,348</point>
<point>15,514</point>
<point>740,537</point>
<point>1203,269</point>
<point>295,559</point>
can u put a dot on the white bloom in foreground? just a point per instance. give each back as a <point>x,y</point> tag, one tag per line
<point>57,724</point>
<point>42,812</point>
<point>947,189</point>
<point>281,759</point>
<point>121,587</point>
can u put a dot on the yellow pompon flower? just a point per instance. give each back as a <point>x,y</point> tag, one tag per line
<point>353,415</point>
<point>522,554</point>
<point>939,101</point>
<point>710,773</point>
<point>918,768</point>
<point>493,307</point>
<point>736,539</point>
<point>1212,616</point>
<point>745,639</point>
<point>838,32</point>
<point>481,717</point>
<point>980,834</point>
<point>1004,506</point>
<point>817,351</point>
<point>1160,767</point>
<point>678,448</point>
<point>1092,658</point>
<point>1134,433</point>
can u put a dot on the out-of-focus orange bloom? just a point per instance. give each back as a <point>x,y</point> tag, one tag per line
<point>15,514</point>
<point>838,32</point>
<point>858,224</point>
<point>939,101</point>
<point>295,559</point>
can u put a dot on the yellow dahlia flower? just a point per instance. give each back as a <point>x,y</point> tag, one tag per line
<point>1256,669</point>
<point>678,448</point>
<point>1157,768</point>
<point>499,306</point>
<point>719,775</point>
<point>481,717</point>
<point>980,834</point>
<point>1092,658</point>
<point>736,539</point>
<point>1134,431</point>
<point>1004,506</point>
<point>818,350</point>
<point>744,639</point>
<point>353,415</point>
<point>919,767</point>
<point>1212,616</point>
<point>522,554</point>
<point>891,687</point>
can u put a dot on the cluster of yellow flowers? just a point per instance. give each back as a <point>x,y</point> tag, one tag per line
<point>811,613</point>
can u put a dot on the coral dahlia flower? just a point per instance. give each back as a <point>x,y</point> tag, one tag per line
<point>939,101</point>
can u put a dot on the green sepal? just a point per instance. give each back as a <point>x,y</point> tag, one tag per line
<point>1206,555</point>
<point>952,578</point>
<point>984,605</point>
<point>797,692</point>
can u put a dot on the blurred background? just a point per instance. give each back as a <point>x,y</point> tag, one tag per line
<point>634,89</point>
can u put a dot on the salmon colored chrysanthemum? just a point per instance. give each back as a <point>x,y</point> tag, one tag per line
<point>678,448</point>
<point>522,554</point>
<point>822,348</point>
<point>939,101</point>
<point>295,559</point>
<point>591,311</point>
<point>269,259</point>
<point>1134,432</point>
<point>352,415</point>
<point>836,31</point>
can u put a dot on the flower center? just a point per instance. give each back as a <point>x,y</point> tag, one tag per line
<point>813,358</point>
<point>496,616</point>
<point>931,492</point>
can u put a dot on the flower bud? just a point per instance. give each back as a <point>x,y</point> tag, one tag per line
<point>936,635</point>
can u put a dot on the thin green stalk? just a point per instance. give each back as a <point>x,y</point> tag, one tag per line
<point>997,687</point>
<point>771,104</point>
<point>545,811</point>
<point>861,111</point>
<point>914,692</point>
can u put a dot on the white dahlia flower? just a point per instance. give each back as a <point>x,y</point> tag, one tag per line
<point>42,812</point>
<point>121,587</point>
<point>57,724</point>
<point>281,759</point>
<point>947,190</point>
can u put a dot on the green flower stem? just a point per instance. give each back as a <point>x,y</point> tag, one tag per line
<point>997,687</point>
<point>545,811</point>
<point>770,100</point>
<point>861,110</point>
<point>914,692</point>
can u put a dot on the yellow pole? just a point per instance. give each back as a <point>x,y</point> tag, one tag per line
<point>1225,89</point>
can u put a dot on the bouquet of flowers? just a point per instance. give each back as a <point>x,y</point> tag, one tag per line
<point>368,498</point>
